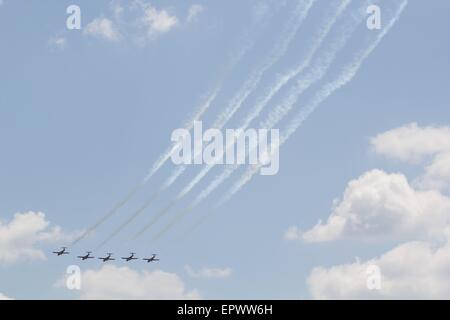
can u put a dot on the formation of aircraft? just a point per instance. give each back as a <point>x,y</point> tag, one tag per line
<point>108,257</point>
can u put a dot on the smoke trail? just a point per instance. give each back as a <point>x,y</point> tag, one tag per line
<point>236,58</point>
<point>296,20</point>
<point>138,212</point>
<point>302,84</point>
<point>106,216</point>
<point>299,15</point>
<point>317,72</point>
<point>345,77</point>
<point>292,27</point>
<point>283,80</point>
<point>188,125</point>
<point>155,218</point>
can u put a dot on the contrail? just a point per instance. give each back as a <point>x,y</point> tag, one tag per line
<point>188,125</point>
<point>317,72</point>
<point>252,82</point>
<point>138,212</point>
<point>107,215</point>
<point>283,80</point>
<point>236,58</point>
<point>345,77</point>
<point>299,15</point>
<point>304,83</point>
<point>280,49</point>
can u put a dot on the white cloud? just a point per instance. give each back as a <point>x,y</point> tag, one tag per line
<point>209,273</point>
<point>414,270</point>
<point>102,28</point>
<point>412,143</point>
<point>378,205</point>
<point>2,296</point>
<point>157,21</point>
<point>437,174</point>
<point>415,144</point>
<point>58,43</point>
<point>112,283</point>
<point>20,237</point>
<point>1,2</point>
<point>194,11</point>
<point>137,21</point>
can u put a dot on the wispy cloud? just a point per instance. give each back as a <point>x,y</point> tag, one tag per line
<point>156,21</point>
<point>103,28</point>
<point>193,12</point>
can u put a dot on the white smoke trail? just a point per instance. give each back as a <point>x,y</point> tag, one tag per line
<point>236,58</point>
<point>248,43</point>
<point>300,14</point>
<point>138,212</point>
<point>322,33</point>
<point>189,124</point>
<point>317,73</point>
<point>296,20</point>
<point>345,77</point>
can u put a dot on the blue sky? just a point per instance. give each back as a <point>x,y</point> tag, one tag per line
<point>85,113</point>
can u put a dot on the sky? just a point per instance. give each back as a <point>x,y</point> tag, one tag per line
<point>360,207</point>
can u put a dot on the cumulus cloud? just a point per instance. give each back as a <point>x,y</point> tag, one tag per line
<point>112,283</point>
<point>378,205</point>
<point>157,21</point>
<point>209,273</point>
<point>414,270</point>
<point>193,12</point>
<point>103,28</point>
<point>20,237</point>
<point>414,144</point>
<point>437,174</point>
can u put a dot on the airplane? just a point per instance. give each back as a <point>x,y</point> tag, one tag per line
<point>88,256</point>
<point>132,257</point>
<point>60,253</point>
<point>151,259</point>
<point>107,258</point>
